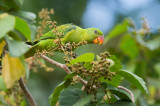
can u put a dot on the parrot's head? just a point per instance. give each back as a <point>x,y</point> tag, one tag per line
<point>94,35</point>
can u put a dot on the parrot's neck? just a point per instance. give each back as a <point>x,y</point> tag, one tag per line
<point>74,36</point>
<point>86,36</point>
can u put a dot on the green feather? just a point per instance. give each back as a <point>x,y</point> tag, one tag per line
<point>64,29</point>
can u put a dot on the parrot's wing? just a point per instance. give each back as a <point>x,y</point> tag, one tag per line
<point>64,29</point>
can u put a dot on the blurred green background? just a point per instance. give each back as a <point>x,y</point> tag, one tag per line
<point>105,15</point>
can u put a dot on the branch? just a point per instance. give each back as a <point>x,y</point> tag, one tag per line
<point>132,96</point>
<point>26,92</point>
<point>63,66</point>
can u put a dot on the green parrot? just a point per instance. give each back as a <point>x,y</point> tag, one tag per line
<point>70,33</point>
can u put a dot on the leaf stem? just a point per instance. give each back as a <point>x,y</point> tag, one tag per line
<point>132,96</point>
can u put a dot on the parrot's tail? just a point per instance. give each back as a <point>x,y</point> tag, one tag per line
<point>30,52</point>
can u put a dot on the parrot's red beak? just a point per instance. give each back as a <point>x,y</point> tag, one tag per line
<point>99,40</point>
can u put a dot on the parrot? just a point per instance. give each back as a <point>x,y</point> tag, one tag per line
<point>70,33</point>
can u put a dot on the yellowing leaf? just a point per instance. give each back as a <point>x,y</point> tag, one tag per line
<point>1,46</point>
<point>12,70</point>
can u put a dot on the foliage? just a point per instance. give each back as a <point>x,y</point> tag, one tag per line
<point>59,88</point>
<point>101,76</point>
<point>139,50</point>
<point>16,28</point>
<point>73,97</point>
<point>134,79</point>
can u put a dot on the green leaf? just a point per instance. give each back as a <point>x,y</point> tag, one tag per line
<point>14,4</point>
<point>88,57</point>
<point>55,95</point>
<point>117,30</point>
<point>99,96</point>
<point>33,32</point>
<point>83,101</point>
<point>152,44</point>
<point>119,103</point>
<point>105,104</point>
<point>16,48</point>
<point>88,65</point>
<point>14,35</point>
<point>104,84</point>
<point>73,97</point>
<point>124,103</point>
<point>117,64</point>
<point>134,79</point>
<point>128,46</point>
<point>116,67</point>
<point>123,95</point>
<point>2,84</point>
<point>7,23</point>
<point>23,27</point>
<point>69,76</point>
<point>29,17</point>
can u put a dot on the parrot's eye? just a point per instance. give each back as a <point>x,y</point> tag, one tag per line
<point>95,32</point>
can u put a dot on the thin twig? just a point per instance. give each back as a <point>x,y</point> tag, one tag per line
<point>27,92</point>
<point>132,96</point>
<point>63,66</point>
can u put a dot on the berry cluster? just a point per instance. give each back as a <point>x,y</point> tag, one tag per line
<point>98,70</point>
